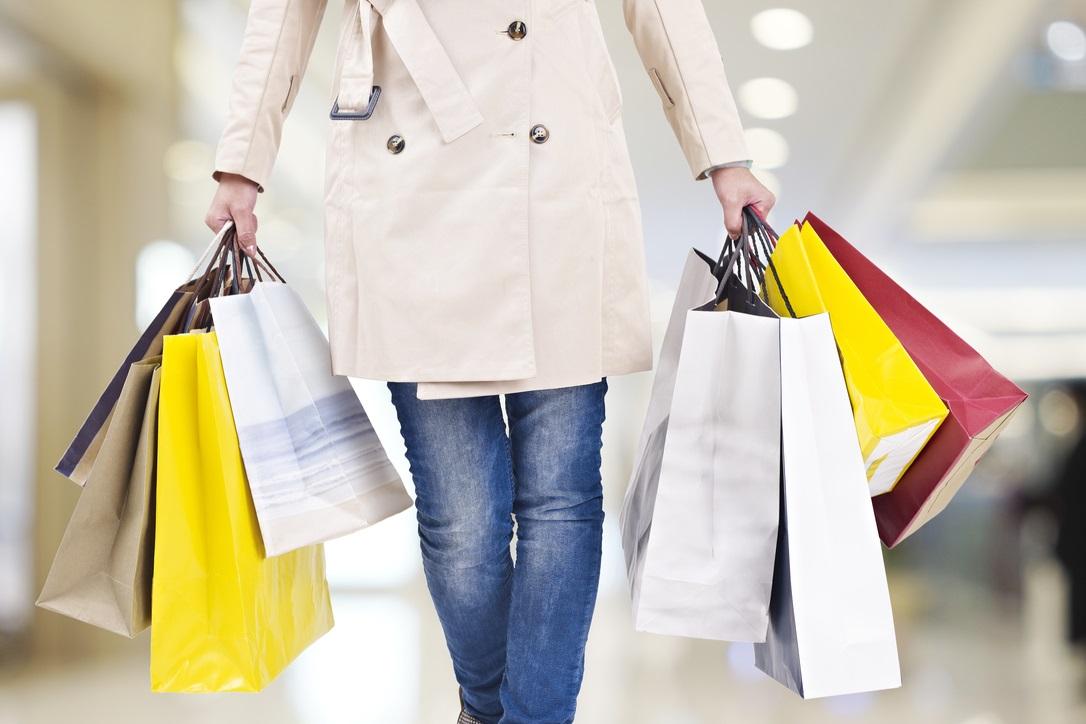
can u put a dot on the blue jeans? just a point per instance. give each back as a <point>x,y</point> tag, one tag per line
<point>516,633</point>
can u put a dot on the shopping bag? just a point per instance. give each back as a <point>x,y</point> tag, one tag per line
<point>831,627</point>
<point>896,410</point>
<point>316,468</point>
<point>699,519</point>
<point>224,617</point>
<point>78,459</point>
<point>981,401</point>
<point>101,573</point>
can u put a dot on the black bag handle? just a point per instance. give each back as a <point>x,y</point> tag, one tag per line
<point>725,270</point>
<point>764,240</point>
<point>738,259</point>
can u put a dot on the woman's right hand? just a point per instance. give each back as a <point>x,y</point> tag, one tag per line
<point>235,199</point>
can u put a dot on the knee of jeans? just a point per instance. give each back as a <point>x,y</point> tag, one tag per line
<point>557,505</point>
<point>465,536</point>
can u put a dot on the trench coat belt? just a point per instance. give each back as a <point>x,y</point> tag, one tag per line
<point>413,38</point>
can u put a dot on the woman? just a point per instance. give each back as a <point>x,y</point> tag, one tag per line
<point>483,238</point>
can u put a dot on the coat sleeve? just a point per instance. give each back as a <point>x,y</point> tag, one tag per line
<point>683,61</point>
<point>275,50</point>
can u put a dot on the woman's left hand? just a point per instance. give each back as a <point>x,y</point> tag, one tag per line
<point>737,187</point>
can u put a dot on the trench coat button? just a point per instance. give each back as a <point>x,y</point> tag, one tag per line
<point>395,143</point>
<point>517,29</point>
<point>539,133</point>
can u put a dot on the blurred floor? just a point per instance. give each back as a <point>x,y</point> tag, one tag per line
<point>967,659</point>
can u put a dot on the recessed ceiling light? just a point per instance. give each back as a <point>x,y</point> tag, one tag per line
<point>768,98</point>
<point>1066,40</point>
<point>768,148</point>
<point>782,28</point>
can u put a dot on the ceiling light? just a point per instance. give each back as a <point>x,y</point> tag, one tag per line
<point>782,28</point>
<point>1066,40</point>
<point>768,148</point>
<point>768,98</point>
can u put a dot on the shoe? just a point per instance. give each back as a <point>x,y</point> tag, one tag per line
<point>464,717</point>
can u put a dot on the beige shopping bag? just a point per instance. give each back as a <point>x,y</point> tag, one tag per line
<point>101,573</point>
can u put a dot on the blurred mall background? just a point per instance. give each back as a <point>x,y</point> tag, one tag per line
<point>947,138</point>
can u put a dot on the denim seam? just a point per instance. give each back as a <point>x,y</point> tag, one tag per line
<point>510,470</point>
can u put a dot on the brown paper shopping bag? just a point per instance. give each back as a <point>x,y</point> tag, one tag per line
<point>101,573</point>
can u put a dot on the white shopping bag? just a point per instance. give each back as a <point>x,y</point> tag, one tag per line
<point>699,521</point>
<point>695,287</point>
<point>316,468</point>
<point>831,626</point>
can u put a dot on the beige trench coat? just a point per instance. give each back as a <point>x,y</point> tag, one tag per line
<point>482,226</point>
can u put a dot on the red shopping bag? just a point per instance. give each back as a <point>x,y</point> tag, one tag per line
<point>981,401</point>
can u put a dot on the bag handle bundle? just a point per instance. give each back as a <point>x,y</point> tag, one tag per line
<point>744,254</point>
<point>768,241</point>
<point>226,272</point>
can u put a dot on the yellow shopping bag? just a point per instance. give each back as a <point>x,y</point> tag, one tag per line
<point>895,408</point>
<point>223,617</point>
